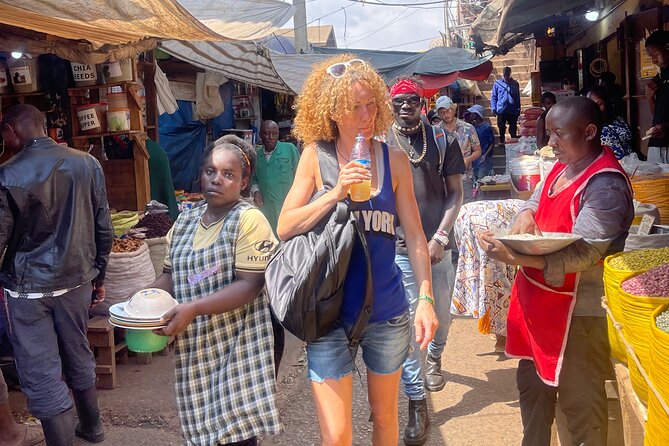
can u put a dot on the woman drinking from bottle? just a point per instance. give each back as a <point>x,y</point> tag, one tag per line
<point>342,99</point>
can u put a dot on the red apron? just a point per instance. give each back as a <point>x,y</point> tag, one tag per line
<point>540,315</point>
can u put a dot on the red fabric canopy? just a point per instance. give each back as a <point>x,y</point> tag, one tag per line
<point>433,83</point>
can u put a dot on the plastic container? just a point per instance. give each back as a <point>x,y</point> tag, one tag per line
<point>119,71</point>
<point>92,118</point>
<point>145,341</point>
<point>657,426</point>
<point>637,311</point>
<point>23,74</point>
<point>86,75</point>
<point>117,100</point>
<point>118,119</point>
<point>360,154</point>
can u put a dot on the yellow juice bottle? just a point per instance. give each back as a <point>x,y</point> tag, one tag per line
<point>360,154</point>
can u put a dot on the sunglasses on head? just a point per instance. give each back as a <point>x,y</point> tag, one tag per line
<point>339,69</point>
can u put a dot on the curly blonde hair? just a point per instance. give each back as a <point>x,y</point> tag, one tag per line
<point>325,99</point>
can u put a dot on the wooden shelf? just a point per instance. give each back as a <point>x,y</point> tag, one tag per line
<point>21,95</point>
<point>100,86</point>
<point>102,135</point>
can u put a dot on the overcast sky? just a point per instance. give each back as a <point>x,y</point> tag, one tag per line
<point>378,27</point>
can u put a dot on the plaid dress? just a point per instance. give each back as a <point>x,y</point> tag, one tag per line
<point>224,363</point>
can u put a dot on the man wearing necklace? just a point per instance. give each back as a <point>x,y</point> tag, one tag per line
<point>437,179</point>
<point>467,139</point>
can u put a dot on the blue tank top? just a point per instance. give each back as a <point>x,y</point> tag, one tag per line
<point>378,217</point>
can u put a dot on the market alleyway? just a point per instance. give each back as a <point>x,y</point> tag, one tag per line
<point>479,405</point>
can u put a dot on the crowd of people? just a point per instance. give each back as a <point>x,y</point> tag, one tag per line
<point>56,232</point>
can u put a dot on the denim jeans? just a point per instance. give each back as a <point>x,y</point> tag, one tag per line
<point>443,276</point>
<point>49,340</point>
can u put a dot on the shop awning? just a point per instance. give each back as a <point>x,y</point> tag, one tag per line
<point>504,22</point>
<point>242,61</point>
<point>438,67</point>
<point>118,22</point>
<point>285,73</point>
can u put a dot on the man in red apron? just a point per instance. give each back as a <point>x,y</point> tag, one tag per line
<point>556,325</point>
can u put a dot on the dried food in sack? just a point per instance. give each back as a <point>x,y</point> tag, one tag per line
<point>654,283</point>
<point>157,225</point>
<point>126,245</point>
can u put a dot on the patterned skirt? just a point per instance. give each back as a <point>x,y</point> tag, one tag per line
<point>482,285</point>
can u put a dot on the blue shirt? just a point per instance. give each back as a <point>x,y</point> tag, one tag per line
<point>378,217</point>
<point>486,139</point>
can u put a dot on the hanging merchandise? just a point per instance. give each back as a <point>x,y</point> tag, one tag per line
<point>119,71</point>
<point>23,73</point>
<point>85,75</point>
<point>4,79</point>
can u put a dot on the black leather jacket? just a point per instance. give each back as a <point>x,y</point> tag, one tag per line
<point>54,219</point>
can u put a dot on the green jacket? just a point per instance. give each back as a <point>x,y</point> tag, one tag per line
<point>274,177</point>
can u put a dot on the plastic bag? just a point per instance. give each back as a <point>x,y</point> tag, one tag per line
<point>156,207</point>
<point>635,167</point>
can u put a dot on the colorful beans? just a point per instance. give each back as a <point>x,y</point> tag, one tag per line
<point>157,225</point>
<point>662,321</point>
<point>640,260</point>
<point>652,283</point>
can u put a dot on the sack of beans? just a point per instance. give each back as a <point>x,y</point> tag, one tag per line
<point>128,270</point>
<point>122,221</point>
<point>657,426</point>
<point>155,227</point>
<point>658,238</point>
<point>157,250</point>
<point>617,268</point>
<point>640,296</point>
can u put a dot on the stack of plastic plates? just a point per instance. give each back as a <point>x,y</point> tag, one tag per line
<point>119,318</point>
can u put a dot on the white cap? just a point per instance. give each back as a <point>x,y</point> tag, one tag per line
<point>444,102</point>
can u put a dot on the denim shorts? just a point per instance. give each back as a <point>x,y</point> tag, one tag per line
<point>385,346</point>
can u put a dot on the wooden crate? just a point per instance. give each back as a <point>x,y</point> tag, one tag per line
<point>121,184</point>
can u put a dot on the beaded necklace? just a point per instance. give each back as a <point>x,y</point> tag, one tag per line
<point>408,148</point>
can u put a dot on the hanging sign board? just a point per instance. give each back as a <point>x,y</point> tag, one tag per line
<point>84,72</point>
<point>648,68</point>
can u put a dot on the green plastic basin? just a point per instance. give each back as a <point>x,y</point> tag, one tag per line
<point>144,341</point>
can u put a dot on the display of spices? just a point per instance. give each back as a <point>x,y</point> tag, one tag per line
<point>652,283</point>
<point>127,244</point>
<point>156,225</point>
<point>662,321</point>
<point>640,260</point>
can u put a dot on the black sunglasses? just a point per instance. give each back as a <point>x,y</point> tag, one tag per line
<point>411,100</point>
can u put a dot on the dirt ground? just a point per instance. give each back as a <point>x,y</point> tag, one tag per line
<point>479,405</point>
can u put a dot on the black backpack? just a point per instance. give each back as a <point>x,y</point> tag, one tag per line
<point>305,276</point>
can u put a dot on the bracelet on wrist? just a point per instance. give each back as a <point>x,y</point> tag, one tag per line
<point>426,298</point>
<point>441,239</point>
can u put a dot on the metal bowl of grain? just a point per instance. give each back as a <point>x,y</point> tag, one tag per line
<point>537,245</point>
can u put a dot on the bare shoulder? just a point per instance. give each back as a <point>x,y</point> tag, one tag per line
<point>309,158</point>
<point>399,164</point>
<point>397,155</point>
<point>308,172</point>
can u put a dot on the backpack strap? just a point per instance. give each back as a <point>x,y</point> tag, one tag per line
<point>329,167</point>
<point>443,142</point>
